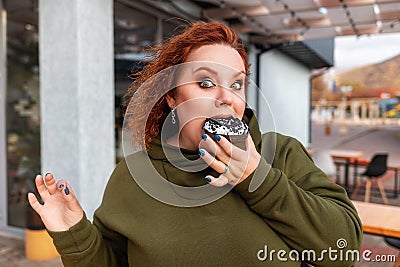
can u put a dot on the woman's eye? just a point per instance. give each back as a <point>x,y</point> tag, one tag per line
<point>206,83</point>
<point>237,85</point>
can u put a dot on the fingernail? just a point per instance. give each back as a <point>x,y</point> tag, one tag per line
<point>66,191</point>
<point>207,179</point>
<point>201,152</point>
<point>204,137</point>
<point>217,137</point>
<point>46,174</point>
<point>61,186</point>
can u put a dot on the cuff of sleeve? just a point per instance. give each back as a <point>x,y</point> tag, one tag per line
<point>257,187</point>
<point>259,175</point>
<point>76,239</point>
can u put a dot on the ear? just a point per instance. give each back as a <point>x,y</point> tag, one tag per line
<point>170,98</point>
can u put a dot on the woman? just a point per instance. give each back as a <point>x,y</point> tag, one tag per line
<point>291,213</point>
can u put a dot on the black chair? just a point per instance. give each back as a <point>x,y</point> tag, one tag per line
<point>375,169</point>
<point>394,242</point>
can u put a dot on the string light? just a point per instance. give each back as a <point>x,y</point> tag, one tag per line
<point>295,17</point>
<point>377,10</point>
<point>243,16</point>
<point>351,20</point>
<point>391,25</point>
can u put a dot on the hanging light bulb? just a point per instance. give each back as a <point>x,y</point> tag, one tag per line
<point>377,10</point>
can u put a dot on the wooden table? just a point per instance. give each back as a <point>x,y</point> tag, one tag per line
<point>348,156</point>
<point>379,219</point>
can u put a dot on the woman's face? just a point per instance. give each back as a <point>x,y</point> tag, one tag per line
<point>211,83</point>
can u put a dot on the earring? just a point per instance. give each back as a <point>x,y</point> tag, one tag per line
<point>173,114</point>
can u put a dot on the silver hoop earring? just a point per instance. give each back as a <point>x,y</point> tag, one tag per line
<point>173,115</point>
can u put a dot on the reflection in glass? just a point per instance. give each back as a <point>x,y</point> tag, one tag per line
<point>134,31</point>
<point>22,107</point>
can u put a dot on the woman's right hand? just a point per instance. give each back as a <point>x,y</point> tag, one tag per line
<point>60,210</point>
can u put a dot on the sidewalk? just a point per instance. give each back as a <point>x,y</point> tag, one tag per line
<point>12,254</point>
<point>369,139</point>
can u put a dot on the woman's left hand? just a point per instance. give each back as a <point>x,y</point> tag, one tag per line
<point>234,164</point>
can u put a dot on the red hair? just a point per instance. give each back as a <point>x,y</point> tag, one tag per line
<point>172,52</point>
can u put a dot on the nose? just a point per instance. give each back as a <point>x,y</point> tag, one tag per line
<point>224,97</point>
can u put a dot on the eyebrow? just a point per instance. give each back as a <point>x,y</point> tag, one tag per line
<point>216,72</point>
<point>206,69</point>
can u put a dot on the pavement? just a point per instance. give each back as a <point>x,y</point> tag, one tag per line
<point>369,139</point>
<point>12,254</point>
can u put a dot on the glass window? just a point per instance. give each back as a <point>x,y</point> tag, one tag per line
<point>172,27</point>
<point>134,31</point>
<point>22,108</point>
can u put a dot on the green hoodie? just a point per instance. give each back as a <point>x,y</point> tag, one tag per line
<point>295,212</point>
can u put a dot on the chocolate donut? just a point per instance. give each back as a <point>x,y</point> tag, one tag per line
<point>235,130</point>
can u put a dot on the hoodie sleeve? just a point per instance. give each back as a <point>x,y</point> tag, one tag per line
<point>98,244</point>
<point>298,201</point>
<point>87,244</point>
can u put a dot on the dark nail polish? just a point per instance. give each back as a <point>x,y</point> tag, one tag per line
<point>201,152</point>
<point>217,137</point>
<point>61,186</point>
<point>204,137</point>
<point>66,190</point>
<point>207,179</point>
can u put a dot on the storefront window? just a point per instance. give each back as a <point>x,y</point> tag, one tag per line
<point>134,31</point>
<point>170,29</point>
<point>22,107</point>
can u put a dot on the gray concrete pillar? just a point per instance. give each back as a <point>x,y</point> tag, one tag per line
<point>77,94</point>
